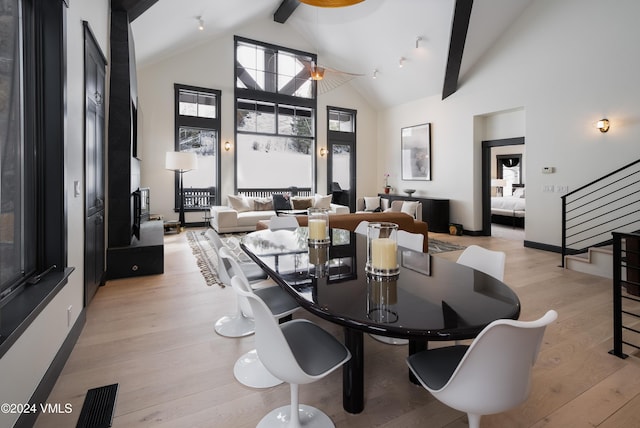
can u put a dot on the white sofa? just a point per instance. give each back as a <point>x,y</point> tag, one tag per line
<point>240,213</point>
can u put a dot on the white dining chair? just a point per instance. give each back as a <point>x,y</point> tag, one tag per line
<point>248,369</point>
<point>283,222</point>
<point>361,228</point>
<point>492,375</point>
<point>297,352</point>
<point>411,241</point>
<point>487,261</point>
<point>251,270</point>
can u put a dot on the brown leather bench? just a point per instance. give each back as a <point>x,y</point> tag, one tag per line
<point>351,221</point>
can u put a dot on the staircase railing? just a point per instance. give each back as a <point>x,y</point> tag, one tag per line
<point>626,275</point>
<point>592,212</point>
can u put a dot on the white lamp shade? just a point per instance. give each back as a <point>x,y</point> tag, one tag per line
<point>181,161</point>
<point>498,182</point>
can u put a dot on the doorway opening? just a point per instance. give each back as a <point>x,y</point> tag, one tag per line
<point>503,188</point>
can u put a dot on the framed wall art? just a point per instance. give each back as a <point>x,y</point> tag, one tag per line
<point>416,152</point>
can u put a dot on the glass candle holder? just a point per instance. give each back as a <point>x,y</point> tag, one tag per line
<point>382,249</point>
<point>318,260</point>
<point>318,224</point>
<point>382,293</point>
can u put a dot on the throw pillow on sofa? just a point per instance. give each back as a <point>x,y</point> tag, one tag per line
<point>239,203</point>
<point>371,203</point>
<point>322,201</point>
<point>409,207</point>
<point>281,202</point>
<point>263,204</point>
<point>301,203</point>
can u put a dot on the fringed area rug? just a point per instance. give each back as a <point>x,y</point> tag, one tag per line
<point>206,256</point>
<point>437,246</point>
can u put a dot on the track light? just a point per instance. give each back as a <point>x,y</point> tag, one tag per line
<point>375,73</point>
<point>418,40</point>
<point>401,62</point>
<point>200,23</point>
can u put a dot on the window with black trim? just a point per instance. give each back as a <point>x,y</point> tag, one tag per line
<point>197,123</point>
<point>32,202</point>
<point>275,117</point>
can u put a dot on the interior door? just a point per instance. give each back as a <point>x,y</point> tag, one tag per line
<point>94,150</point>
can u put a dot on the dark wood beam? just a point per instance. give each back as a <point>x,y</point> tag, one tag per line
<point>461,17</point>
<point>134,8</point>
<point>285,10</point>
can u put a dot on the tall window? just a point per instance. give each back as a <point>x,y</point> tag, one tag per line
<point>275,117</point>
<point>198,131</point>
<point>32,203</point>
<point>341,160</point>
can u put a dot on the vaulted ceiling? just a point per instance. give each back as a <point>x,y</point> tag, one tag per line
<point>372,35</point>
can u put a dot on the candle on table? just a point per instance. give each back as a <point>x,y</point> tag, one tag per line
<point>317,229</point>
<point>384,253</point>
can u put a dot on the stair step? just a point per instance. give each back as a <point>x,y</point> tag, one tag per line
<point>586,262</point>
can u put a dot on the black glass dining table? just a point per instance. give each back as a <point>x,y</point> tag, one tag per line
<point>431,299</point>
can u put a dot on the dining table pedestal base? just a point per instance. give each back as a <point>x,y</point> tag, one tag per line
<point>353,372</point>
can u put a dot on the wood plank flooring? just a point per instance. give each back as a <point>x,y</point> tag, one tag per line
<point>154,336</point>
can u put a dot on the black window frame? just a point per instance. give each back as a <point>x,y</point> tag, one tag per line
<point>207,123</point>
<point>44,109</point>
<point>280,100</point>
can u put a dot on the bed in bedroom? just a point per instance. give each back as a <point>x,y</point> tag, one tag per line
<point>509,210</point>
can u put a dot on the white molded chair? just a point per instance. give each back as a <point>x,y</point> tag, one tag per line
<point>298,352</point>
<point>248,369</point>
<point>251,270</point>
<point>487,261</point>
<point>283,222</point>
<point>361,228</point>
<point>411,241</point>
<point>492,375</point>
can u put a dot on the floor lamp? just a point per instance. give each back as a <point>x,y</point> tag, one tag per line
<point>181,162</point>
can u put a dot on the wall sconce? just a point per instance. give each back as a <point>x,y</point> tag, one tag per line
<point>603,125</point>
<point>323,151</point>
<point>227,146</point>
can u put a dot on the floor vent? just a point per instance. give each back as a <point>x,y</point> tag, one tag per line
<point>98,407</point>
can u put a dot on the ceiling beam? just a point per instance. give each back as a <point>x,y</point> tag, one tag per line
<point>285,10</point>
<point>461,17</point>
<point>134,8</point>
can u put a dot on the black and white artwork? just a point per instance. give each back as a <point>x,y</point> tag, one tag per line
<point>416,152</point>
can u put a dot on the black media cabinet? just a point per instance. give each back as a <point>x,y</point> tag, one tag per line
<point>435,212</point>
<point>143,257</point>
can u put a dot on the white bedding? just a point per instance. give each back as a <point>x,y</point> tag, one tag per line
<point>508,203</point>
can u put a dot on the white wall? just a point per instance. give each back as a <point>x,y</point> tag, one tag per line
<point>210,65</point>
<point>567,64</point>
<point>23,366</point>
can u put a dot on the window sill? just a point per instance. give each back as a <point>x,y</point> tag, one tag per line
<point>18,314</point>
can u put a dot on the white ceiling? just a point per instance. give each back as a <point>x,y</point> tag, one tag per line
<point>373,34</point>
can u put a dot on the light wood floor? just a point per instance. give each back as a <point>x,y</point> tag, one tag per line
<point>154,336</point>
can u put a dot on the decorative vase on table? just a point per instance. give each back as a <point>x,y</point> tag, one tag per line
<point>387,189</point>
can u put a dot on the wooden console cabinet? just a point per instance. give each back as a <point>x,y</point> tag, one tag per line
<point>142,257</point>
<point>435,212</point>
